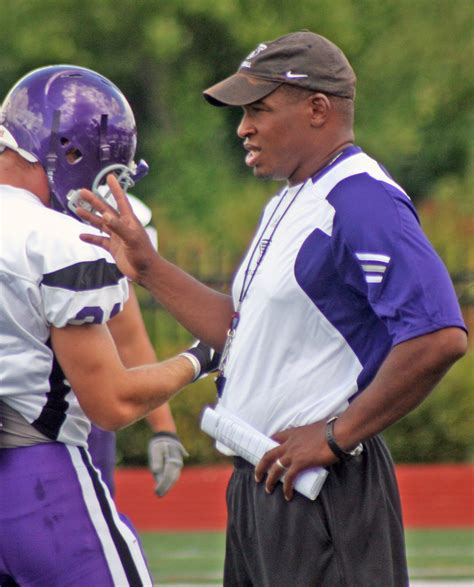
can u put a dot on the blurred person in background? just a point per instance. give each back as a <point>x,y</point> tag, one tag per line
<point>342,320</point>
<point>62,127</point>
<point>165,452</point>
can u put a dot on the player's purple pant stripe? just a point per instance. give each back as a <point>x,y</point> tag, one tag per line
<point>120,544</point>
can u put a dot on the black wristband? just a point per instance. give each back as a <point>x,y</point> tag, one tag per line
<point>201,354</point>
<point>340,453</point>
<point>205,358</point>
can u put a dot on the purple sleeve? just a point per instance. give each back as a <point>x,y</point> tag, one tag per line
<point>383,255</point>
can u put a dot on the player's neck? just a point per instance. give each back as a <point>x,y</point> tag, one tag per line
<point>17,173</point>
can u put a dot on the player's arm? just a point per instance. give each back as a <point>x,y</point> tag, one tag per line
<point>409,373</point>
<point>165,450</point>
<point>135,348</point>
<point>111,395</point>
<point>201,310</point>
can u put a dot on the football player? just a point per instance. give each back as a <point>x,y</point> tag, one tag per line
<point>62,127</point>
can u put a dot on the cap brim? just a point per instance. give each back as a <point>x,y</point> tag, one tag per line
<point>239,89</point>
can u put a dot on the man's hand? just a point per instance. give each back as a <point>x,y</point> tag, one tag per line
<point>127,240</point>
<point>165,459</point>
<point>300,448</point>
<point>204,359</point>
<point>387,399</point>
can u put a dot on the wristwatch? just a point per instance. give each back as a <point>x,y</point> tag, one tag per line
<point>343,455</point>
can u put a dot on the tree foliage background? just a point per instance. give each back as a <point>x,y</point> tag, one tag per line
<point>413,59</point>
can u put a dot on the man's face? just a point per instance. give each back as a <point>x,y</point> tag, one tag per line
<point>275,132</point>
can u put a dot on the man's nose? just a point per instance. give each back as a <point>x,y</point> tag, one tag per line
<point>245,129</point>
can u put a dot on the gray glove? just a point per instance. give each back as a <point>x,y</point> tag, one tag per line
<point>165,459</point>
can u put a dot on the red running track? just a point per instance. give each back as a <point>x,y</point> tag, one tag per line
<point>433,496</point>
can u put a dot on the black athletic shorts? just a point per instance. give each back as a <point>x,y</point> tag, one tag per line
<point>350,536</point>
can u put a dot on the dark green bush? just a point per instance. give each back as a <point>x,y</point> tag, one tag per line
<point>441,429</point>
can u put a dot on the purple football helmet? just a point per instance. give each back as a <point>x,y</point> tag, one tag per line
<point>78,125</point>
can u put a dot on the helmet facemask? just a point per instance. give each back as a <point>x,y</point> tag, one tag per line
<point>127,177</point>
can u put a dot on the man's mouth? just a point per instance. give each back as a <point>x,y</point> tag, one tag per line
<point>252,155</point>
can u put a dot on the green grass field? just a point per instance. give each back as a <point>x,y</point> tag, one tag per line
<point>196,557</point>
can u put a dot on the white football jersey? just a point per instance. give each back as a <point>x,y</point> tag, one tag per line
<point>48,276</point>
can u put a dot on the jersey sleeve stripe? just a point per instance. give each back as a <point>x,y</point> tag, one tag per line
<point>373,257</point>
<point>373,278</point>
<point>83,276</point>
<point>374,268</point>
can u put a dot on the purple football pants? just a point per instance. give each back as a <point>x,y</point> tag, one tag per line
<point>58,524</point>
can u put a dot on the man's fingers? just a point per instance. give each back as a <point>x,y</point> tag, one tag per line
<point>276,471</point>
<point>97,203</point>
<point>265,463</point>
<point>274,466</point>
<point>95,239</point>
<point>123,203</point>
<point>92,219</point>
<point>288,483</point>
<point>280,437</point>
<point>112,223</point>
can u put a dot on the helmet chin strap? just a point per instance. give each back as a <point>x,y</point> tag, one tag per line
<point>52,157</point>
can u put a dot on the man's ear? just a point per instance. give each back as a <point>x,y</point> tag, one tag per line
<point>320,109</point>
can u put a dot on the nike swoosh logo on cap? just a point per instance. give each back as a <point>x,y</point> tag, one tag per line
<point>291,75</point>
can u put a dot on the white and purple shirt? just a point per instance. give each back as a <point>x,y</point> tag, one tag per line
<point>347,275</point>
<point>48,277</point>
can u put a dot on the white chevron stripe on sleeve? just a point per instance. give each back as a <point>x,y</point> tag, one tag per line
<point>374,268</point>
<point>373,278</point>
<point>373,257</point>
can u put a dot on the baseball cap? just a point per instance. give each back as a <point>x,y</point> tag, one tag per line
<point>303,59</point>
<point>8,141</point>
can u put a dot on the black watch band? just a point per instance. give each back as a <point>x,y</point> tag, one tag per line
<point>341,454</point>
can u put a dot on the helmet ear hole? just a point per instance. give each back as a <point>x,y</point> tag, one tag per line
<point>73,156</point>
<point>64,141</point>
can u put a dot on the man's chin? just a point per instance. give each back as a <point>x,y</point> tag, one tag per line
<point>267,176</point>
<point>262,174</point>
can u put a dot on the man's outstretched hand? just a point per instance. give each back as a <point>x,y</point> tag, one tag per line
<point>126,238</point>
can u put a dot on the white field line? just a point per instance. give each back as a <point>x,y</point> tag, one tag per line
<point>450,583</point>
<point>441,551</point>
